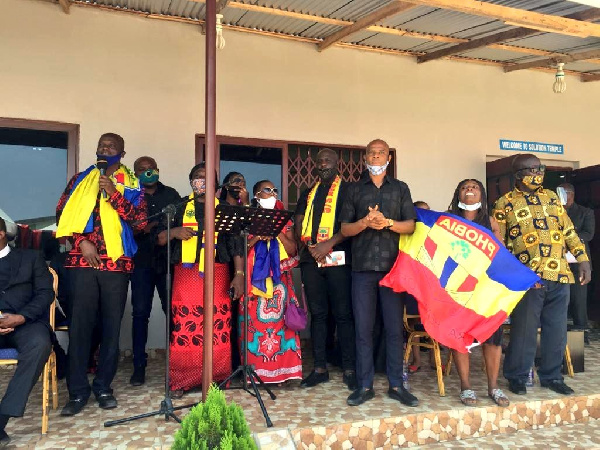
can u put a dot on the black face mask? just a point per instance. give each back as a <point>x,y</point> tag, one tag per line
<point>234,191</point>
<point>326,174</point>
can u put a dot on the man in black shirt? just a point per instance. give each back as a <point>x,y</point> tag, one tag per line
<point>377,209</point>
<point>584,222</point>
<point>150,263</point>
<point>318,230</point>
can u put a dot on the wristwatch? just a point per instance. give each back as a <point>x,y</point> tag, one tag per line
<point>390,224</point>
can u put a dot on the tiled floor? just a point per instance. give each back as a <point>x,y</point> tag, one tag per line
<point>294,408</point>
<point>576,436</point>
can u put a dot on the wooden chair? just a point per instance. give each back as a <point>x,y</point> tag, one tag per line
<point>415,334</point>
<point>49,378</point>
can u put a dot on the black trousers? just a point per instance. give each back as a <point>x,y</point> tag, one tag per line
<point>143,282</point>
<point>32,341</point>
<point>578,301</point>
<point>325,287</point>
<point>366,292</point>
<point>545,307</point>
<point>96,294</point>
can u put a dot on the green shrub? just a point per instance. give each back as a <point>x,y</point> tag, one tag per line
<point>214,425</point>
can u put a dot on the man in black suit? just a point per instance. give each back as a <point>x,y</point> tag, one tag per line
<point>584,222</point>
<point>25,296</point>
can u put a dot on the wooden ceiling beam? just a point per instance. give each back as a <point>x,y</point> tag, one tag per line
<point>585,77</point>
<point>377,28</point>
<point>300,38</point>
<point>518,17</point>
<point>488,41</point>
<point>364,22</point>
<point>552,61</point>
<point>65,5</point>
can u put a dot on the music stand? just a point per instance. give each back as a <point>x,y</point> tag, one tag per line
<point>166,405</point>
<point>258,222</point>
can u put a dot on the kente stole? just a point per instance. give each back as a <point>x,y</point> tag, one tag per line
<point>189,248</point>
<point>326,225</point>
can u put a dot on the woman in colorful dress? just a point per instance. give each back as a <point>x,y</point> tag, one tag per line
<point>188,291</point>
<point>273,348</point>
<point>470,202</point>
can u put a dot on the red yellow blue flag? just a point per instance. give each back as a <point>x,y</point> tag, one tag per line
<point>465,281</point>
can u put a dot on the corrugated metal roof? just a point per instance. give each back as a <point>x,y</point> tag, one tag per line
<point>494,54</point>
<point>556,42</point>
<point>380,40</point>
<point>420,19</point>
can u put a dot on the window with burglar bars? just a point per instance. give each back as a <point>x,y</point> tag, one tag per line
<point>301,167</point>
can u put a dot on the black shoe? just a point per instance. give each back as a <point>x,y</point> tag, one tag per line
<point>106,400</point>
<point>557,386</point>
<point>350,380</point>
<point>517,387</point>
<point>359,396</point>
<point>74,406</point>
<point>315,378</point>
<point>4,439</point>
<point>403,396</point>
<point>139,376</point>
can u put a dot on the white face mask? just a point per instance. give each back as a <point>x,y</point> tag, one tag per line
<point>267,203</point>
<point>473,207</point>
<point>562,195</point>
<point>377,170</point>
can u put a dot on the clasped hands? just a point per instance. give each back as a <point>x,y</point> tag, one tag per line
<point>9,322</point>
<point>375,219</point>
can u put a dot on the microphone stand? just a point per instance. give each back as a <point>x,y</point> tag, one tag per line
<point>166,405</point>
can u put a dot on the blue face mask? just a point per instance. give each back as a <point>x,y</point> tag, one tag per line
<point>110,160</point>
<point>148,177</point>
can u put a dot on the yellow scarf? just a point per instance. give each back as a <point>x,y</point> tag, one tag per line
<point>325,230</point>
<point>189,247</point>
<point>81,203</point>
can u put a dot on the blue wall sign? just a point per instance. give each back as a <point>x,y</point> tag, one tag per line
<point>526,146</point>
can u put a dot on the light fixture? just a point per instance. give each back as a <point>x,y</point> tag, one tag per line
<point>220,38</point>
<point>560,85</point>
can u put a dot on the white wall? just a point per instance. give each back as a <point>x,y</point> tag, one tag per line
<point>144,79</point>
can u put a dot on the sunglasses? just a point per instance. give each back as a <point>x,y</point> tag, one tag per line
<point>540,168</point>
<point>268,190</point>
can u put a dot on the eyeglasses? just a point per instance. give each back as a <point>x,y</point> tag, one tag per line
<point>268,190</point>
<point>540,168</point>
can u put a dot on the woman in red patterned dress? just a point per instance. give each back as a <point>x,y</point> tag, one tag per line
<point>273,348</point>
<point>187,307</point>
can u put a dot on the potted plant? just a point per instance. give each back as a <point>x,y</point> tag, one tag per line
<point>214,424</point>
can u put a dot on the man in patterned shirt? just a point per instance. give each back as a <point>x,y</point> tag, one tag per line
<point>538,231</point>
<point>110,204</point>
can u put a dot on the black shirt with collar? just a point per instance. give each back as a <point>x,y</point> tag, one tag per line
<point>376,250</point>
<point>317,211</point>
<point>149,255</point>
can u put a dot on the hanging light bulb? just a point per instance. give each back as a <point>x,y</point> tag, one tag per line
<point>560,85</point>
<point>220,38</point>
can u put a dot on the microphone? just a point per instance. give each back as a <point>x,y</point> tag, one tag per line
<point>102,165</point>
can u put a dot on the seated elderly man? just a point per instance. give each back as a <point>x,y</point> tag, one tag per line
<point>25,296</point>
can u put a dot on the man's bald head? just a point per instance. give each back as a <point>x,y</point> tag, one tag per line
<point>146,161</point>
<point>523,161</point>
<point>378,142</point>
<point>332,154</point>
